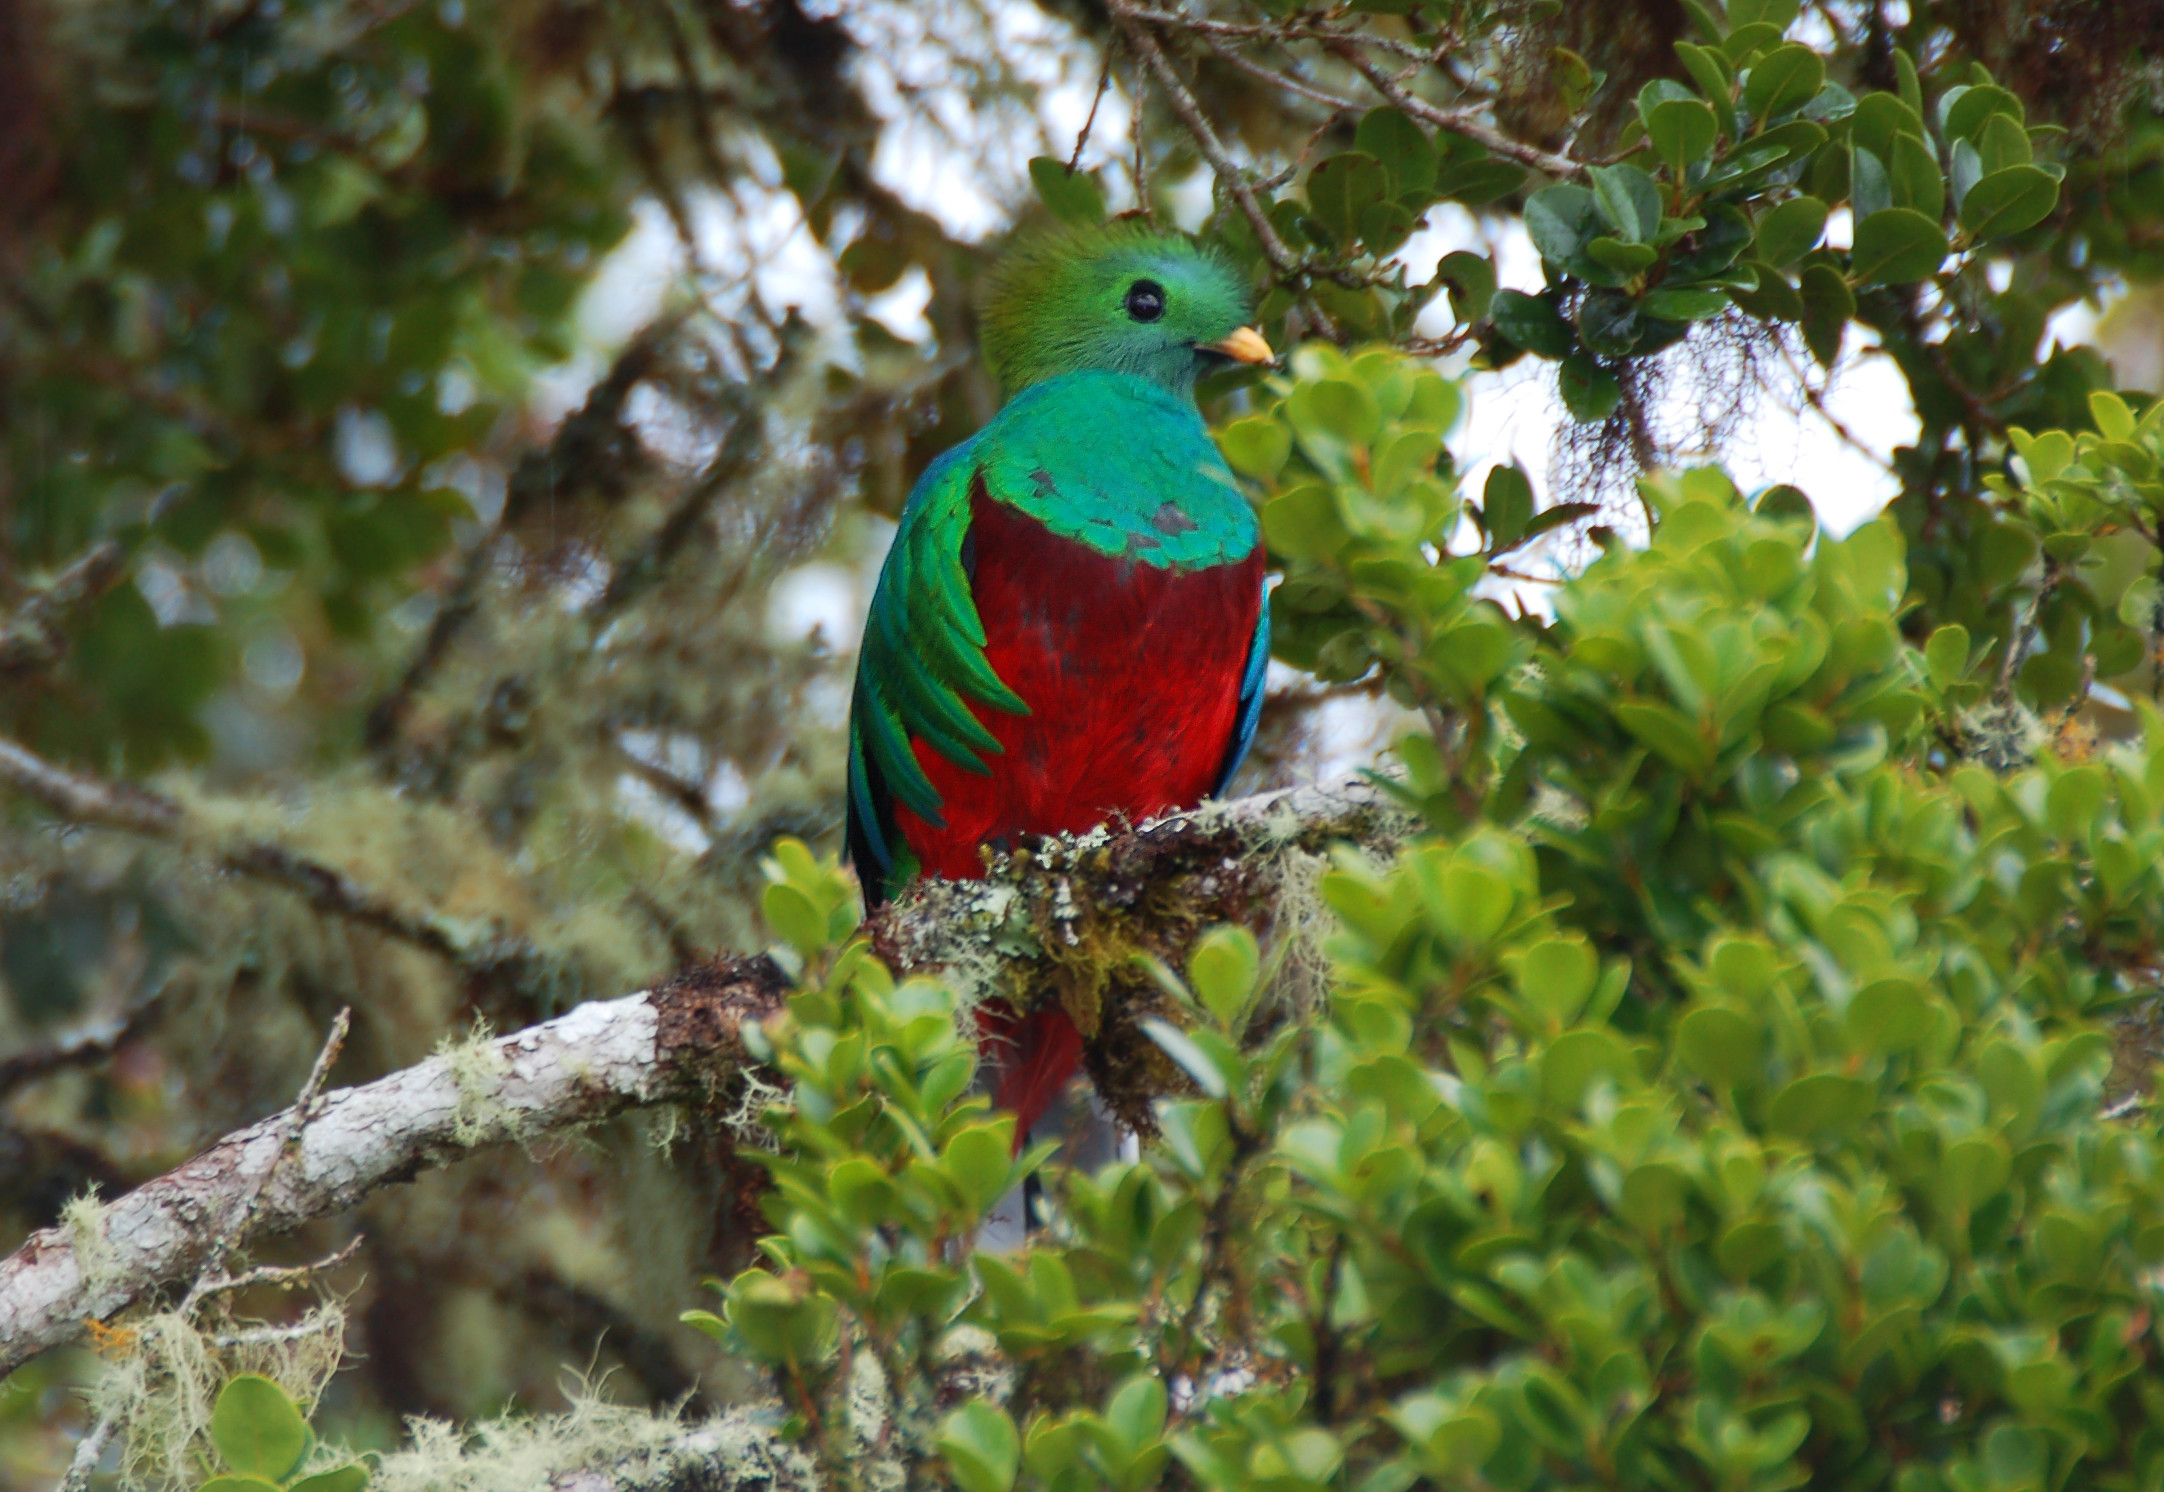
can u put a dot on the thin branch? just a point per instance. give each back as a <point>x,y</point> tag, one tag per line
<point>31,639</point>
<point>1463,122</point>
<point>1082,136</point>
<point>1278,31</point>
<point>285,1276</point>
<point>1275,79</point>
<point>89,1452</point>
<point>740,449</point>
<point>211,1279</point>
<point>91,1042</point>
<point>1229,174</point>
<point>580,457</point>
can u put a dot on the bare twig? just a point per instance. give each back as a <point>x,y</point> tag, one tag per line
<point>211,1278</point>
<point>1465,122</point>
<point>282,1275</point>
<point>90,1042</point>
<point>1082,136</point>
<point>1229,174</point>
<point>1276,79</point>
<point>1278,31</point>
<point>88,1452</point>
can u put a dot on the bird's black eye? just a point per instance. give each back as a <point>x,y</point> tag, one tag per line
<point>1145,300</point>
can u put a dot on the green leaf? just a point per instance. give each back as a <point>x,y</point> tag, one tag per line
<point>1870,185</point>
<point>1748,40</point>
<point>1506,506</point>
<point>2002,143</point>
<point>2113,419</point>
<point>1681,131</point>
<point>1828,305</point>
<point>1791,230</point>
<point>1964,111</point>
<point>1257,446</point>
<point>794,918</point>
<point>1334,409</point>
<point>1888,1015</point>
<point>980,1159</point>
<point>1624,258</point>
<point>1710,71</point>
<point>2008,201</point>
<point>1720,1045</point>
<point>1384,227</point>
<point>781,1318</point>
<point>1824,1104</point>
<point>1916,179</point>
<point>1946,655</point>
<point>1590,392</point>
<point>1559,220</point>
<point>1684,303</point>
<point>1785,78</point>
<point>1669,733</point>
<point>1910,85</point>
<point>1470,278</point>
<point>1340,187</point>
<point>1608,323</point>
<point>350,1477</point>
<point>1223,970</point>
<point>1450,1437</point>
<point>1403,149</point>
<point>257,1429</point>
<point>980,1444</point>
<point>238,1484</point>
<point>1628,200</point>
<point>1879,119</point>
<point>1773,298</point>
<point>1072,196</point>
<point>1189,1054</point>
<point>1479,182</point>
<point>1897,246</point>
<point>1531,323</point>
<point>1779,14</point>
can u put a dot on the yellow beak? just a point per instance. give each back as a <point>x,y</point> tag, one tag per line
<point>1244,346</point>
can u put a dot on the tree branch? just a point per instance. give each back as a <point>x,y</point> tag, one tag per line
<point>679,1042</point>
<point>1465,122</point>
<point>472,947</point>
<point>31,639</point>
<point>1229,174</point>
<point>1117,893</point>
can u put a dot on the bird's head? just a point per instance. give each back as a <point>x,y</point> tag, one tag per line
<point>1122,298</point>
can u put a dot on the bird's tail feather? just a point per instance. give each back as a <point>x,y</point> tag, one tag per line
<point>1032,1055</point>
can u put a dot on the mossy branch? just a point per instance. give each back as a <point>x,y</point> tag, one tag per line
<point>476,949</point>
<point>1064,918</point>
<point>677,1043</point>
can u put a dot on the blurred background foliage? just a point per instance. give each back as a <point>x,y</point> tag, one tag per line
<point>452,441</point>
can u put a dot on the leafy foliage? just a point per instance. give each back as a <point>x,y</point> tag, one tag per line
<point>1713,1096</point>
<point>265,1443</point>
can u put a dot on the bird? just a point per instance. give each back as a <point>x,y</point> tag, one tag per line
<point>1072,624</point>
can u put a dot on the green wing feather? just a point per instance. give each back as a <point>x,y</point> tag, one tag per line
<point>923,660</point>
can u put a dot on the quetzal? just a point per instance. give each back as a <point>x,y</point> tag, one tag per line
<point>1072,624</point>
